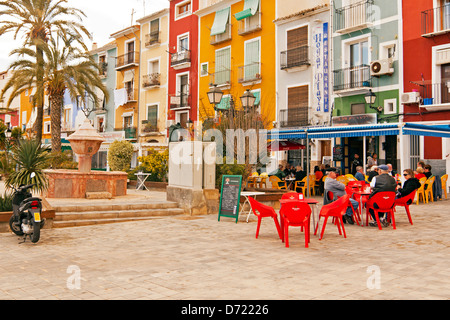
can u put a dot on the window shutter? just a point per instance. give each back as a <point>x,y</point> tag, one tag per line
<point>298,106</point>
<point>297,38</point>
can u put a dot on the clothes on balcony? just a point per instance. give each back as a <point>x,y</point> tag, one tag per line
<point>120,97</point>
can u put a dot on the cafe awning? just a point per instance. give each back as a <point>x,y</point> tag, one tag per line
<point>285,145</point>
<point>220,22</point>
<point>250,8</point>
<point>417,129</point>
<point>354,131</point>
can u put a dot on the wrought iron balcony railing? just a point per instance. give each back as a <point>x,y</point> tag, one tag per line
<point>294,117</point>
<point>352,78</point>
<point>180,101</point>
<point>219,38</point>
<point>249,72</point>
<point>435,94</point>
<point>296,57</point>
<point>353,17</point>
<point>152,38</point>
<point>250,24</point>
<point>436,21</point>
<point>179,58</point>
<point>128,59</point>
<point>220,78</point>
<point>151,80</point>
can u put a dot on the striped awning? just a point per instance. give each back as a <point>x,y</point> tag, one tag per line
<point>220,22</point>
<point>354,131</point>
<point>416,129</point>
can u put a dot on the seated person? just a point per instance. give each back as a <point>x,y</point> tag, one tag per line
<point>382,183</point>
<point>427,171</point>
<point>338,190</point>
<point>360,174</point>
<point>419,175</point>
<point>372,173</point>
<point>299,174</point>
<point>409,185</point>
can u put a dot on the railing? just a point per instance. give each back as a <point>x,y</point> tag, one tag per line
<point>220,77</point>
<point>129,58</point>
<point>152,38</point>
<point>219,38</point>
<point>436,20</point>
<point>295,58</point>
<point>250,24</point>
<point>352,78</point>
<point>132,95</point>
<point>148,127</point>
<point>179,101</point>
<point>353,17</point>
<point>130,132</point>
<point>294,117</point>
<point>103,68</point>
<point>181,57</point>
<point>436,93</point>
<point>151,80</point>
<point>249,72</point>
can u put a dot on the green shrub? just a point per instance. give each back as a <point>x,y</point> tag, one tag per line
<point>6,202</point>
<point>62,160</point>
<point>228,169</point>
<point>156,163</point>
<point>119,155</point>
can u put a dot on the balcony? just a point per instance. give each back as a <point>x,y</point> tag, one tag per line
<point>353,80</point>
<point>294,117</point>
<point>130,59</point>
<point>130,133</point>
<point>219,38</point>
<point>220,78</point>
<point>436,21</point>
<point>353,17</point>
<point>179,102</point>
<point>151,80</point>
<point>250,73</point>
<point>66,127</point>
<point>103,69</point>
<point>132,95</point>
<point>180,60</point>
<point>250,24</point>
<point>297,58</point>
<point>148,128</point>
<point>152,39</point>
<point>435,97</point>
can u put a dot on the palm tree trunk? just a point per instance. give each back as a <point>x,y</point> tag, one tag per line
<point>39,92</point>
<point>55,117</point>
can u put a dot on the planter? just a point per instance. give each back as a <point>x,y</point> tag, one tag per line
<point>49,216</point>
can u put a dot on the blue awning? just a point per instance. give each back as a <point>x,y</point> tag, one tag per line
<point>354,131</point>
<point>286,134</point>
<point>416,129</point>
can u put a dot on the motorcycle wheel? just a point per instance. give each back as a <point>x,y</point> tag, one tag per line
<point>36,232</point>
<point>14,228</point>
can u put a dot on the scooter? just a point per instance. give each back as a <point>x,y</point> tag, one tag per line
<point>26,219</point>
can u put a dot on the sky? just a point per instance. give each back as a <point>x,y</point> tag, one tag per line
<point>103,17</point>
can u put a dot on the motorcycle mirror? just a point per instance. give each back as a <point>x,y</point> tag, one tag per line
<point>32,175</point>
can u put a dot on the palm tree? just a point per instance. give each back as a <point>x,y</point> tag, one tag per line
<point>38,20</point>
<point>66,68</point>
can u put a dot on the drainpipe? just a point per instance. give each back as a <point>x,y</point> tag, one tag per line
<point>138,134</point>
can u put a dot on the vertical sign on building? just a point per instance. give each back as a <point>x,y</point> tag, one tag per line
<point>321,68</point>
<point>326,92</point>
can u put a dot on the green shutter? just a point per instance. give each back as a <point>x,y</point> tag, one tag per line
<point>152,115</point>
<point>224,103</point>
<point>250,8</point>
<point>257,95</point>
<point>251,60</point>
<point>220,22</point>
<point>223,66</point>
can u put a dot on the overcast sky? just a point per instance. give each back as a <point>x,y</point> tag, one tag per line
<point>103,17</point>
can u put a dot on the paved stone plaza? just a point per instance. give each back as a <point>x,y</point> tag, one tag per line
<point>181,257</point>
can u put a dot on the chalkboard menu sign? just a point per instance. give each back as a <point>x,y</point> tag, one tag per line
<point>230,196</point>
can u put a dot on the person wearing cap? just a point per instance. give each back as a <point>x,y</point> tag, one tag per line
<point>382,183</point>
<point>338,190</point>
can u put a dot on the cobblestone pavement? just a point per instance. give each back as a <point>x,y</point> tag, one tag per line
<point>177,258</point>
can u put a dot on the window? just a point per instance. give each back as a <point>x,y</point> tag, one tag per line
<point>127,121</point>
<point>204,69</point>
<point>358,108</point>
<point>298,100</point>
<point>152,116</point>
<point>357,58</point>
<point>100,123</point>
<point>183,43</point>
<point>252,60</point>
<point>390,106</point>
<point>223,66</point>
<point>47,127</point>
<point>183,9</point>
<point>297,53</point>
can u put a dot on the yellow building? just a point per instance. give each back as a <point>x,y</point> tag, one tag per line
<point>28,114</point>
<point>237,53</point>
<point>153,69</point>
<point>126,94</point>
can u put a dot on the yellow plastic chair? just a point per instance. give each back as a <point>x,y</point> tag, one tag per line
<point>301,185</point>
<point>342,179</point>
<point>421,190</point>
<point>444,184</point>
<point>263,178</point>
<point>429,188</point>
<point>277,183</point>
<point>312,184</point>
<point>350,177</point>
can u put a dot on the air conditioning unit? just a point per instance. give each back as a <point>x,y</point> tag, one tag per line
<point>381,67</point>
<point>410,97</point>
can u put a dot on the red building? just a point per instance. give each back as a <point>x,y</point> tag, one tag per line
<point>426,61</point>
<point>183,62</point>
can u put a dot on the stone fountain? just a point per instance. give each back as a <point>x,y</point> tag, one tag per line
<point>84,183</point>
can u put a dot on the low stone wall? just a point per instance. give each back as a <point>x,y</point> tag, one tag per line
<point>75,184</point>
<point>151,185</point>
<point>49,216</point>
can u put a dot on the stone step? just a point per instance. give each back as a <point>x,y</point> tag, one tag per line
<point>115,206</point>
<point>117,214</point>
<point>90,222</point>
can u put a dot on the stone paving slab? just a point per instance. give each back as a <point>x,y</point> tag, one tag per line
<point>200,258</point>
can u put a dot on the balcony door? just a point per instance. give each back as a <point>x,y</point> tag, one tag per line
<point>445,83</point>
<point>359,61</point>
<point>130,52</point>
<point>297,46</point>
<point>252,59</point>
<point>444,14</point>
<point>183,90</point>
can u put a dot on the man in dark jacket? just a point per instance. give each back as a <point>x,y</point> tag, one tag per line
<point>382,183</point>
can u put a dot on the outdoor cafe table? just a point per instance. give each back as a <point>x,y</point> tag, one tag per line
<point>309,201</point>
<point>290,181</point>
<point>141,178</point>
<point>247,194</point>
<point>362,194</point>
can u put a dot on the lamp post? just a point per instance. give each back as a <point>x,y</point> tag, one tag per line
<point>248,99</point>
<point>215,96</point>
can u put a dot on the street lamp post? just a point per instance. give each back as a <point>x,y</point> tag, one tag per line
<point>248,99</point>
<point>215,96</point>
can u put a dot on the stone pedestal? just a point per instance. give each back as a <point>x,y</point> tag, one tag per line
<point>195,202</point>
<point>75,184</point>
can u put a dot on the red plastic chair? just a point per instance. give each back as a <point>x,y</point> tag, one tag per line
<point>336,210</point>
<point>405,202</point>
<point>381,202</point>
<point>264,211</point>
<point>296,215</point>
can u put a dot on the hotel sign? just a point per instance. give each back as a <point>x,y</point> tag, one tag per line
<point>321,91</point>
